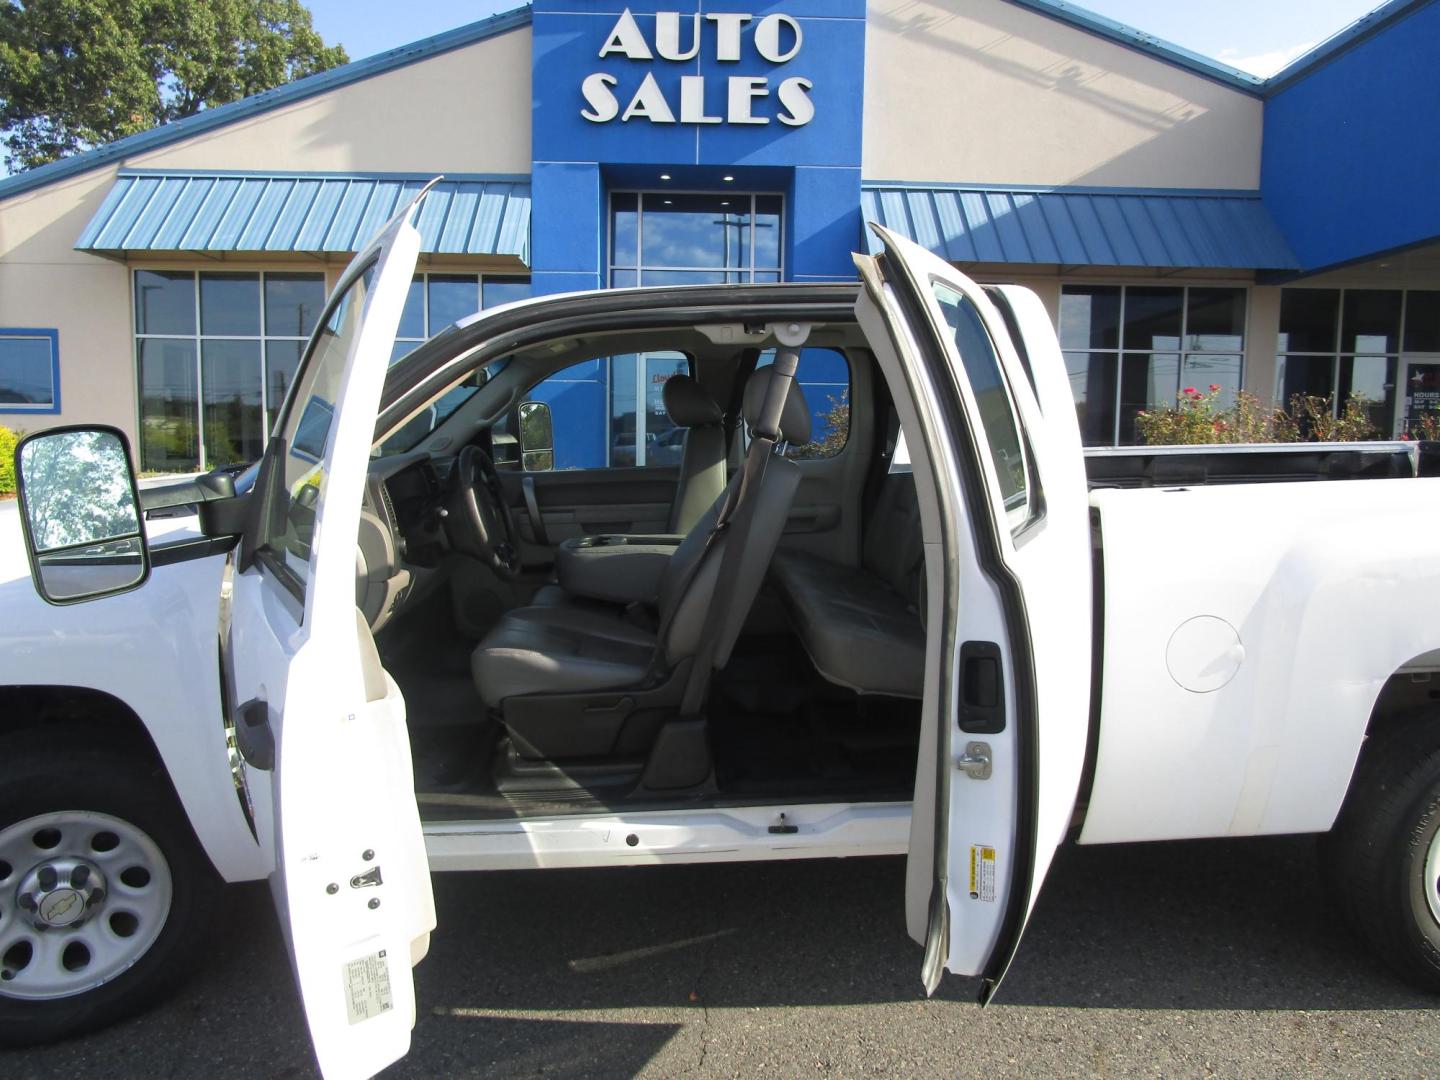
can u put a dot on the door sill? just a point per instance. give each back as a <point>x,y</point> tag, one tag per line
<point>655,837</point>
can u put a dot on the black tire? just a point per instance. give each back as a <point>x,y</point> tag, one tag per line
<point>57,769</point>
<point>1374,858</point>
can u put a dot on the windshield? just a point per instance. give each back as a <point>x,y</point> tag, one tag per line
<point>423,424</point>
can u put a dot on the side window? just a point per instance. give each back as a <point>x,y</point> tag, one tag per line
<point>824,376</point>
<point>609,412</point>
<point>306,429</point>
<point>29,371</point>
<point>997,415</point>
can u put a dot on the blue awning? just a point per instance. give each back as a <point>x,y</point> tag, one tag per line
<point>313,213</point>
<point>1083,226</point>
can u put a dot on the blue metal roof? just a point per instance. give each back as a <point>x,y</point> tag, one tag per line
<point>305,212</point>
<point>1155,228</point>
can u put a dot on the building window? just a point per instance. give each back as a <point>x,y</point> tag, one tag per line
<point>695,238</point>
<point>215,354</point>
<point>1134,347</point>
<point>29,371</point>
<point>437,300</point>
<point>1361,343</point>
<point>609,412</point>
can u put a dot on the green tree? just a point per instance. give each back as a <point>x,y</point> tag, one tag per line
<point>78,73</point>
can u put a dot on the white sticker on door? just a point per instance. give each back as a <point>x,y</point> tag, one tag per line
<point>982,873</point>
<point>367,987</point>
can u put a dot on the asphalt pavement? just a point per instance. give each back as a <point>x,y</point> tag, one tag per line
<point>1190,959</point>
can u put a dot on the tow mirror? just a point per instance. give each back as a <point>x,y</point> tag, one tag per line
<point>537,437</point>
<point>80,513</point>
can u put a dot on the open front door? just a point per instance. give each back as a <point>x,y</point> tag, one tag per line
<point>1009,572</point>
<point>322,753</point>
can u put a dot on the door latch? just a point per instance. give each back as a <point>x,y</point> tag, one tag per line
<point>975,762</point>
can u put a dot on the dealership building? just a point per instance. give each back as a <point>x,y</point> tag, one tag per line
<point>1185,223</point>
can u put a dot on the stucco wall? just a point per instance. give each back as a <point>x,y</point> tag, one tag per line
<point>983,91</point>
<point>464,111</point>
<point>45,282</point>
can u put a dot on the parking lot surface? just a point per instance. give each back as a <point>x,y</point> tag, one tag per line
<point>1193,959</point>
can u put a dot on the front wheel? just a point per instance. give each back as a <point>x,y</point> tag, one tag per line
<point>104,893</point>
<point>1383,856</point>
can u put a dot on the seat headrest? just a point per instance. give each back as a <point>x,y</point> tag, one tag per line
<point>794,418</point>
<point>688,404</point>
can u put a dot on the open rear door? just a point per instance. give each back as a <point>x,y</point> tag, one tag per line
<point>993,434</point>
<point>322,754</point>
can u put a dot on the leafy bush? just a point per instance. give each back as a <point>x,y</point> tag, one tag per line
<point>8,439</point>
<point>1197,418</point>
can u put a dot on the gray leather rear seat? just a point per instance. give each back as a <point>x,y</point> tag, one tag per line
<point>862,625</point>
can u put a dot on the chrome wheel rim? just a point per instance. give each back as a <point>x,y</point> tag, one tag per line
<point>1432,876</point>
<point>83,896</point>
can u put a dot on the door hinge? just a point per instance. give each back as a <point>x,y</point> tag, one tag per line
<point>975,762</point>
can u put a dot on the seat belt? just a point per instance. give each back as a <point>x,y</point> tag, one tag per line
<point>763,440</point>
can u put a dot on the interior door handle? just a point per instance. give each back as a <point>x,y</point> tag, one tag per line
<point>532,507</point>
<point>254,737</point>
<point>982,688</point>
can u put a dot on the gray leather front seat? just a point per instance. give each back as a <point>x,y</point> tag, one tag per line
<point>702,461</point>
<point>545,649</point>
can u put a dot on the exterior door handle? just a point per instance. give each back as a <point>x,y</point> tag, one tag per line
<point>254,737</point>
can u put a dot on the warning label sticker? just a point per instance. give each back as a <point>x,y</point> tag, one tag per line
<point>982,873</point>
<point>367,987</point>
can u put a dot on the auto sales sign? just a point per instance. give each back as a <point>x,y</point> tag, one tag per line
<point>679,39</point>
<point>713,83</point>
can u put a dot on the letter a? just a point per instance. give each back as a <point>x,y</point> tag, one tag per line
<point>625,38</point>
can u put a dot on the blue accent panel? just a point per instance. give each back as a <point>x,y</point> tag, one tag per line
<point>567,41</point>
<point>1351,155</point>
<point>579,402</point>
<point>824,218</point>
<point>172,211</point>
<point>36,410</point>
<point>1081,226</point>
<point>568,253</point>
<point>281,96</point>
<point>1341,41</point>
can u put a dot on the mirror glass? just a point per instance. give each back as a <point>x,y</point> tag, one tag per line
<point>81,519</point>
<point>536,432</point>
<point>537,437</point>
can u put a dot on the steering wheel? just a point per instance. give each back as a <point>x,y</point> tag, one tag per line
<point>480,520</point>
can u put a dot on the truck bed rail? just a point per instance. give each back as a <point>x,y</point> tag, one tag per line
<point>1176,466</point>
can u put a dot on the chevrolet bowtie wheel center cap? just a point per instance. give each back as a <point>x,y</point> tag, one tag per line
<point>61,892</point>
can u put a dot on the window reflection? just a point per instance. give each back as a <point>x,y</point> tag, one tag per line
<point>695,238</point>
<point>1134,347</point>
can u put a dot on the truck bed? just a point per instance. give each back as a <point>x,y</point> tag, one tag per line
<point>1195,466</point>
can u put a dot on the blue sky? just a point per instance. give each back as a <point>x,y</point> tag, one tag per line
<point>1258,35</point>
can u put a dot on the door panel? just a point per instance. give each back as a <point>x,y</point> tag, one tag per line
<point>1008,564</point>
<point>351,882</point>
<point>585,502</point>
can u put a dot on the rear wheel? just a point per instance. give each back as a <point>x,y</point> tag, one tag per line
<point>104,893</point>
<point>1383,856</point>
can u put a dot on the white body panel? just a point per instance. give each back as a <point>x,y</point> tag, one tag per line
<point>735,834</point>
<point>352,884</point>
<point>1330,587</point>
<point>988,840</point>
<point>154,651</point>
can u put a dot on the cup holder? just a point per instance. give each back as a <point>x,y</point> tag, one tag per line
<point>603,540</point>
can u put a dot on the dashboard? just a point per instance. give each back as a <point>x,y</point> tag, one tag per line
<point>401,544</point>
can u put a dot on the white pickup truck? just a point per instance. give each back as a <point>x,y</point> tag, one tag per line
<point>403,643</point>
